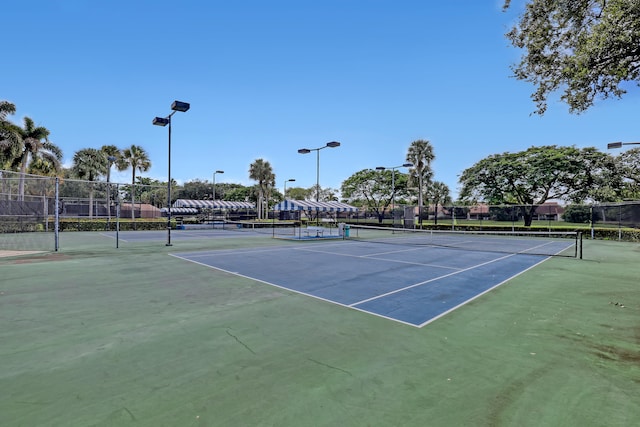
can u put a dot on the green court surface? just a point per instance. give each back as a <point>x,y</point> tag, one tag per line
<point>92,335</point>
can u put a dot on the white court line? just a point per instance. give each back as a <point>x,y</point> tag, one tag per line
<point>235,273</point>
<point>431,280</point>
<point>114,238</point>
<point>371,256</point>
<point>444,313</point>
<point>352,306</point>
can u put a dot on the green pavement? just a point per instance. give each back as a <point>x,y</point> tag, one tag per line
<point>98,336</point>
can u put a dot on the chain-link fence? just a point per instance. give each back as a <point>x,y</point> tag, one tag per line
<point>34,209</point>
<point>610,221</point>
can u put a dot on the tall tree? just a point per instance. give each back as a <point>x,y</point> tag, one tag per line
<point>374,189</point>
<point>531,177</point>
<point>323,194</point>
<point>439,193</point>
<point>629,168</point>
<point>6,108</point>
<point>420,153</point>
<point>138,160</point>
<point>9,136</point>
<point>34,144</point>
<point>261,171</point>
<point>299,193</point>
<point>114,158</point>
<point>89,164</point>
<point>585,48</point>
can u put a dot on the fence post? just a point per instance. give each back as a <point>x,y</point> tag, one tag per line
<point>591,220</point>
<point>56,226</point>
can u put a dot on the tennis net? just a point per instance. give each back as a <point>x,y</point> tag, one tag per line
<point>567,244</point>
<point>260,227</point>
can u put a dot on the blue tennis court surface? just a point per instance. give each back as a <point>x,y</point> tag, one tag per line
<point>410,284</point>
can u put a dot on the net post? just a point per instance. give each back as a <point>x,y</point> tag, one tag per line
<point>580,237</point>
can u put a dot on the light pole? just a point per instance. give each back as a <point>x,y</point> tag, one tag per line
<point>163,121</point>
<point>393,185</point>
<point>332,144</point>
<point>111,160</point>
<point>214,185</point>
<point>285,187</point>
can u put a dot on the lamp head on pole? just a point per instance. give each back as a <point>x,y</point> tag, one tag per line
<point>219,172</point>
<point>333,144</point>
<point>304,151</point>
<point>380,168</point>
<point>407,165</point>
<point>161,121</point>
<point>180,106</point>
<point>614,145</point>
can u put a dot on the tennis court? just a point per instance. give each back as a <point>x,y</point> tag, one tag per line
<point>95,335</point>
<point>403,281</point>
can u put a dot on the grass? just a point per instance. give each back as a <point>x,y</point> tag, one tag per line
<point>94,336</point>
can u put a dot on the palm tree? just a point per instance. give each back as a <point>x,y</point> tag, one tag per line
<point>8,138</point>
<point>114,157</point>
<point>138,159</point>
<point>6,108</point>
<point>7,130</point>
<point>34,144</point>
<point>89,164</point>
<point>262,172</point>
<point>420,153</point>
<point>439,193</point>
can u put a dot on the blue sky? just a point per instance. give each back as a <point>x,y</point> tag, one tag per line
<point>265,78</point>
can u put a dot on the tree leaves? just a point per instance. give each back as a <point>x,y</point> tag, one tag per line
<point>584,48</point>
<point>541,173</point>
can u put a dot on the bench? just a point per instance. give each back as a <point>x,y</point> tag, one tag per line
<point>313,231</point>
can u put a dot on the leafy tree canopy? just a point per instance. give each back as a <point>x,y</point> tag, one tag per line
<point>539,174</point>
<point>628,163</point>
<point>374,189</point>
<point>584,48</point>
<point>299,193</point>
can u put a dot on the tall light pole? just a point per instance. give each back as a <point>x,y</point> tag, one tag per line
<point>214,185</point>
<point>393,185</point>
<point>332,144</point>
<point>163,121</point>
<point>285,187</point>
<point>111,160</point>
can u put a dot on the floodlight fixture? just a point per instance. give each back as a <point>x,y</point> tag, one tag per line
<point>161,121</point>
<point>619,144</point>
<point>180,106</point>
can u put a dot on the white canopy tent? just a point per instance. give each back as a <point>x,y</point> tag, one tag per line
<point>211,204</point>
<point>180,211</point>
<point>306,205</point>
